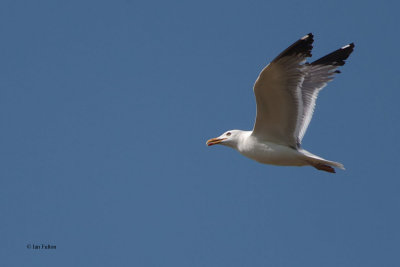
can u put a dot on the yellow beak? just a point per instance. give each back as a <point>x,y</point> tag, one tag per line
<point>214,141</point>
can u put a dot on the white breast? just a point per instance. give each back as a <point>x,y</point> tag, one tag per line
<point>270,153</point>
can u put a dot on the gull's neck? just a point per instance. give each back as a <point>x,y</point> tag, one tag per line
<point>240,139</point>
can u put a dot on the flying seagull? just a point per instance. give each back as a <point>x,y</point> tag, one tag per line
<point>286,91</point>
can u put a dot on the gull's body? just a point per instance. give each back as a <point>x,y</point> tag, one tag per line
<point>269,152</point>
<point>286,91</point>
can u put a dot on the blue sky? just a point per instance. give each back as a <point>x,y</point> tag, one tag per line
<point>105,107</point>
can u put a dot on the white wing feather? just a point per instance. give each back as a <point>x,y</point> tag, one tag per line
<point>315,80</point>
<point>279,101</point>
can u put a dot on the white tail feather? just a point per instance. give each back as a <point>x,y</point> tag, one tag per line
<point>314,160</point>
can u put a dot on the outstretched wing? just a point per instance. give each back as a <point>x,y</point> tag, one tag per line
<point>279,97</point>
<point>318,74</point>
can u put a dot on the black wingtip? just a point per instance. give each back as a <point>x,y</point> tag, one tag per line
<point>301,47</point>
<point>309,35</point>
<point>336,58</point>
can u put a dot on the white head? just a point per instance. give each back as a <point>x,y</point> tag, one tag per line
<point>229,138</point>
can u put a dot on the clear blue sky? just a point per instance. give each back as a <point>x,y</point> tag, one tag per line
<point>105,107</point>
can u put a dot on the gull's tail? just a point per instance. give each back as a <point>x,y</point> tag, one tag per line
<point>320,163</point>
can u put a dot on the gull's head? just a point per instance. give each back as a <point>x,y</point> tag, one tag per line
<point>229,138</point>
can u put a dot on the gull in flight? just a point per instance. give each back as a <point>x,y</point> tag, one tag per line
<point>286,91</point>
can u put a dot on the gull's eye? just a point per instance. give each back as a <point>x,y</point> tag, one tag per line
<point>228,133</point>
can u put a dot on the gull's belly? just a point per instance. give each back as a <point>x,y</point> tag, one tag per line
<point>271,153</point>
